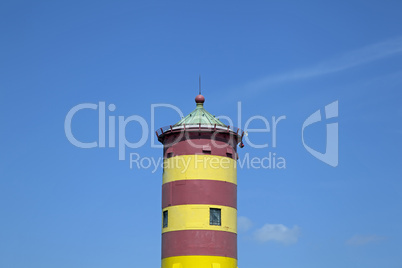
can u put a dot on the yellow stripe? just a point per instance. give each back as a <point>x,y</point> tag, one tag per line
<point>199,167</point>
<point>199,262</point>
<point>196,217</point>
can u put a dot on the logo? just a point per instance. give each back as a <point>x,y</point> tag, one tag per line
<point>330,156</point>
<point>111,133</point>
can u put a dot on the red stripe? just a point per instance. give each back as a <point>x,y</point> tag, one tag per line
<point>221,144</point>
<point>186,192</point>
<point>199,242</point>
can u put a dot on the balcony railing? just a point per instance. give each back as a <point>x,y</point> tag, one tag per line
<point>184,127</point>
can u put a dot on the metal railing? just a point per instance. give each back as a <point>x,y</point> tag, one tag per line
<point>165,129</point>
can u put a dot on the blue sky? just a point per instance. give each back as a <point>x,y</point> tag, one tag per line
<point>63,206</point>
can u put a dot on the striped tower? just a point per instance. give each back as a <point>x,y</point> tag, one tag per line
<point>199,192</point>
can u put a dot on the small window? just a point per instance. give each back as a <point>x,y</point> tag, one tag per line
<point>229,152</point>
<point>215,216</point>
<point>165,219</point>
<point>169,152</point>
<point>206,149</point>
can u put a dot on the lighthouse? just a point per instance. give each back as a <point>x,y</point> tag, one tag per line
<point>199,191</point>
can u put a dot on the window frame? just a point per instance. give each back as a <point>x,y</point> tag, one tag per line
<point>212,221</point>
<point>165,219</point>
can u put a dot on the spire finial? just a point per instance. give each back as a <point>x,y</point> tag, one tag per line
<point>199,99</point>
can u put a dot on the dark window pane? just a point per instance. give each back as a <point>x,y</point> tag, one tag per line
<point>165,219</point>
<point>215,216</point>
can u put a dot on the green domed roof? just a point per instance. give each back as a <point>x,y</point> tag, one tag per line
<point>199,116</point>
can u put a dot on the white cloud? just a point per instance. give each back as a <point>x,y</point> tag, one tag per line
<point>278,233</point>
<point>244,224</point>
<point>359,240</point>
<point>342,62</point>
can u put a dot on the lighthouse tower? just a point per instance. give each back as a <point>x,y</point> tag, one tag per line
<point>199,192</point>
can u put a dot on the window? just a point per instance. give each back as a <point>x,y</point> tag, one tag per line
<point>169,152</point>
<point>229,152</point>
<point>206,149</point>
<point>165,219</point>
<point>215,216</point>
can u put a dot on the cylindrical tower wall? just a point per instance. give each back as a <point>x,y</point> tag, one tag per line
<point>199,198</point>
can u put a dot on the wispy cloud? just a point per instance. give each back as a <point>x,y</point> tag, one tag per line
<point>244,224</point>
<point>278,233</point>
<point>343,62</point>
<point>360,240</point>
